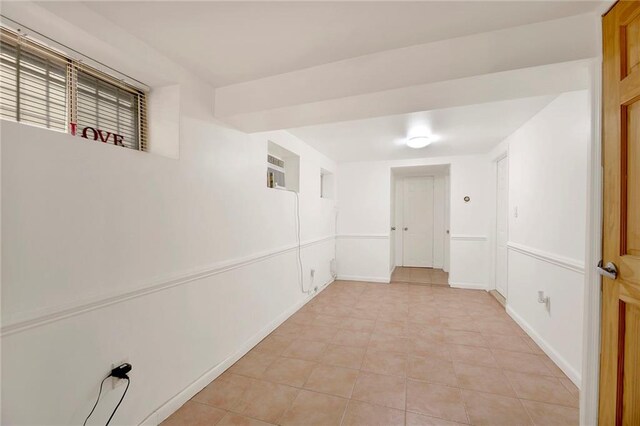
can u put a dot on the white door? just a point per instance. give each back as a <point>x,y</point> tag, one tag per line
<point>417,221</point>
<point>502,225</point>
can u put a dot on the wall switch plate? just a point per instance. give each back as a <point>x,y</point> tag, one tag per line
<point>115,382</point>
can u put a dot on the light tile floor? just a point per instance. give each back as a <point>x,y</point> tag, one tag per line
<point>420,275</point>
<point>400,354</point>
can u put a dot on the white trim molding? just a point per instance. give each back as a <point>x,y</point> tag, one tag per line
<point>26,320</point>
<point>554,259</point>
<point>462,237</point>
<point>362,236</point>
<point>546,347</point>
<point>365,279</point>
<point>470,286</point>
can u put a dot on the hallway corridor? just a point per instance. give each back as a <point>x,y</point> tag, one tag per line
<point>372,354</point>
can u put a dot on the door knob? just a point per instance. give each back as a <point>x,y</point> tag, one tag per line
<point>406,229</point>
<point>609,270</point>
<point>393,228</point>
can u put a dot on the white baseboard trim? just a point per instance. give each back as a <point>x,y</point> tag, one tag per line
<point>546,347</point>
<point>470,286</point>
<point>361,278</point>
<point>186,394</point>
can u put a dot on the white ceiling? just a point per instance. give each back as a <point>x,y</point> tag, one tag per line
<point>471,129</point>
<point>231,42</point>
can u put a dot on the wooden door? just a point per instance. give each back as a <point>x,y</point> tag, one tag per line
<point>502,221</point>
<point>620,344</point>
<point>417,221</point>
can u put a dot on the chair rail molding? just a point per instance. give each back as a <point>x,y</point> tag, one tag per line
<point>465,237</point>
<point>22,321</point>
<point>362,236</point>
<point>555,259</point>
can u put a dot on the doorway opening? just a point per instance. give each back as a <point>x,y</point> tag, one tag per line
<point>420,224</point>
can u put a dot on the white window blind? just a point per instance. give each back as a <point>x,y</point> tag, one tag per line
<point>102,105</point>
<point>41,87</point>
<point>33,88</point>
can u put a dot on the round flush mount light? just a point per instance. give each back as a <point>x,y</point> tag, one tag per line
<point>419,141</point>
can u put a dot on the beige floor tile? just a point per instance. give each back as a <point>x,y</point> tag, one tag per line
<point>305,349</point>
<point>541,388</point>
<point>494,410</point>
<point>388,391</point>
<point>363,414</point>
<point>551,415</point>
<point>385,342</point>
<point>521,362</point>
<point>483,379</point>
<point>343,356</point>
<point>289,329</point>
<point>428,348</point>
<point>224,392</point>
<point>232,419</point>
<point>272,345</point>
<point>196,414</point>
<point>415,419</point>
<point>460,337</point>
<point>333,380</point>
<point>472,355</point>
<point>460,323</point>
<point>289,371</point>
<point>433,400</point>
<point>318,333</point>
<point>507,343</point>
<point>380,362</point>
<point>311,408</point>
<point>394,328</point>
<point>358,324</point>
<point>358,339</point>
<point>432,369</point>
<point>553,368</point>
<point>570,386</point>
<point>266,401</point>
<point>252,364</point>
<point>328,321</point>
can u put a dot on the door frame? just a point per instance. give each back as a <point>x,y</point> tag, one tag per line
<point>589,392</point>
<point>502,156</point>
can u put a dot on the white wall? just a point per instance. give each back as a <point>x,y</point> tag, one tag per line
<point>548,186</point>
<point>364,218</point>
<point>178,266</point>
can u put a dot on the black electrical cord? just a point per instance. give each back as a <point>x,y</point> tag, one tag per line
<point>98,399</point>
<point>119,402</point>
<point>96,404</point>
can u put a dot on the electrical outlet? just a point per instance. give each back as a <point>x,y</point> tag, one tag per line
<point>115,382</point>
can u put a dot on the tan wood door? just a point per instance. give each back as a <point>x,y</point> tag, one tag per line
<point>620,346</point>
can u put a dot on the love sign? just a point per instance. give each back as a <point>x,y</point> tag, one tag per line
<point>97,134</point>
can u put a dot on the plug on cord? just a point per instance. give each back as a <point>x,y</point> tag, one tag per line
<point>121,371</point>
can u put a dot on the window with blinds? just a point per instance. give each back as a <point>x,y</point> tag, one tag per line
<point>41,87</point>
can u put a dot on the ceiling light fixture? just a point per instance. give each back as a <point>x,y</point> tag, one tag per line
<point>419,141</point>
